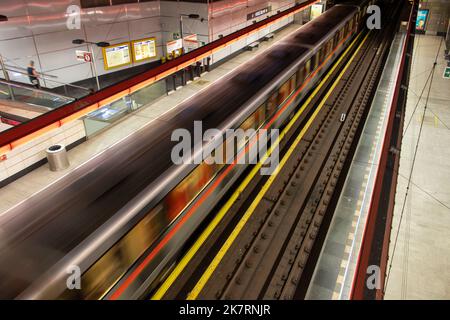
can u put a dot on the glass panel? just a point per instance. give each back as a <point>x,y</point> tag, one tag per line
<point>307,68</point>
<point>32,96</point>
<point>300,76</point>
<point>283,92</point>
<point>4,91</point>
<point>292,83</point>
<point>105,116</point>
<point>272,104</point>
<point>316,61</point>
<point>148,94</point>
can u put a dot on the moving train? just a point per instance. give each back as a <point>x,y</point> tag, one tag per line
<point>121,219</point>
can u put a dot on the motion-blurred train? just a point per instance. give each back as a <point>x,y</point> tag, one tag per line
<point>123,216</point>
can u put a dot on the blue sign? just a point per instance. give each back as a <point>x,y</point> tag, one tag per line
<point>421,21</point>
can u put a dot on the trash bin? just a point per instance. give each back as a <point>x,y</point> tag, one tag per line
<point>57,157</point>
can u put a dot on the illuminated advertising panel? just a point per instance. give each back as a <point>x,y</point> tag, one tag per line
<point>116,55</point>
<point>316,10</point>
<point>421,21</point>
<point>144,49</point>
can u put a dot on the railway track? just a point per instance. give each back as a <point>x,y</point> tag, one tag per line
<point>269,234</point>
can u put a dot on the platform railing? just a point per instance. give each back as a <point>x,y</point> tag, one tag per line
<point>19,135</point>
<point>26,94</point>
<point>46,79</point>
<point>375,243</point>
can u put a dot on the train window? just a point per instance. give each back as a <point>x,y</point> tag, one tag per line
<point>261,114</point>
<point>307,68</point>
<point>176,200</point>
<point>336,40</point>
<point>300,76</point>
<point>251,122</point>
<point>103,274</point>
<point>185,192</point>
<point>320,56</point>
<point>315,62</point>
<point>228,150</point>
<point>328,48</point>
<point>272,104</point>
<point>283,92</point>
<point>292,82</point>
<point>346,29</point>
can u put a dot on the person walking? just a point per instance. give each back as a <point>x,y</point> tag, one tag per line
<point>33,75</point>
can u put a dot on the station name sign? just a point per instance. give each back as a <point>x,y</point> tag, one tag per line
<point>259,13</point>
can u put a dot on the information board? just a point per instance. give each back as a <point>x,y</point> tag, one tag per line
<point>116,55</point>
<point>316,10</point>
<point>190,42</point>
<point>144,49</point>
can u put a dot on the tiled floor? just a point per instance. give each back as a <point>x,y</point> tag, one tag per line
<point>38,179</point>
<point>421,261</point>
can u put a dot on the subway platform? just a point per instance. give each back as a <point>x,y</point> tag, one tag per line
<point>419,264</point>
<point>419,252</point>
<point>40,178</point>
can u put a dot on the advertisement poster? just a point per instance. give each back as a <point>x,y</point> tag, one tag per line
<point>116,55</point>
<point>421,21</point>
<point>144,49</point>
<point>316,10</point>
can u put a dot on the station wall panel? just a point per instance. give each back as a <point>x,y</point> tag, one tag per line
<point>37,30</point>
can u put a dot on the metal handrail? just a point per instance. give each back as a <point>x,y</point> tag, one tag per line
<point>25,70</point>
<point>12,84</point>
<point>45,78</point>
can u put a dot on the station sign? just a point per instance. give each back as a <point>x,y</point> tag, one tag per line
<point>116,55</point>
<point>84,56</point>
<point>446,74</point>
<point>174,46</point>
<point>259,13</point>
<point>190,42</point>
<point>143,49</point>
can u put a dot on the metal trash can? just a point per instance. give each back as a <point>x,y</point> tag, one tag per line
<point>57,157</point>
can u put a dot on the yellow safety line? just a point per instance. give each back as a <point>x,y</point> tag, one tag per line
<point>208,231</point>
